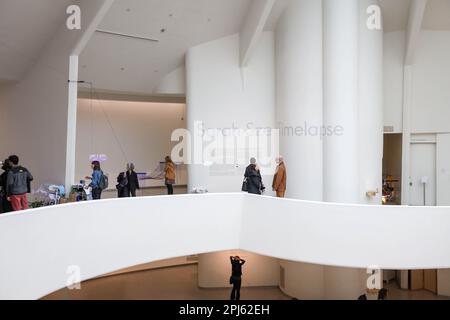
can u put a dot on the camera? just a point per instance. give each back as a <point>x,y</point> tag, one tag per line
<point>5,165</point>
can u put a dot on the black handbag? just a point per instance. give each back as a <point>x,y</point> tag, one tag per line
<point>245,185</point>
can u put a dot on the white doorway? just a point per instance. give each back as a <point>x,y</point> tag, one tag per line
<point>423,174</point>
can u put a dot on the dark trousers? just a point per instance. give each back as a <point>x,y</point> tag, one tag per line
<point>96,193</point>
<point>5,205</point>
<point>170,189</point>
<point>132,193</point>
<point>122,192</point>
<point>236,292</point>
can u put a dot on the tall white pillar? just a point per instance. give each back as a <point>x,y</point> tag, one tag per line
<point>300,97</point>
<point>370,102</point>
<point>341,152</point>
<point>341,24</point>
<point>71,123</point>
<point>300,117</point>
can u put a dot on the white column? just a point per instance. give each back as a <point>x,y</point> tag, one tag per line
<point>341,23</point>
<point>71,123</point>
<point>370,104</point>
<point>341,154</point>
<point>299,97</point>
<point>300,117</point>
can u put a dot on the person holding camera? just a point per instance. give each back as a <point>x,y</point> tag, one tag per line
<point>236,277</point>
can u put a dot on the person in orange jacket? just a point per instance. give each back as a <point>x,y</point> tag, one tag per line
<point>280,178</point>
<point>169,175</point>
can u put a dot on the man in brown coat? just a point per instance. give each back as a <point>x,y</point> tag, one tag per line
<point>279,180</point>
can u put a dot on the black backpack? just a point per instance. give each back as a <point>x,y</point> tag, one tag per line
<point>104,182</point>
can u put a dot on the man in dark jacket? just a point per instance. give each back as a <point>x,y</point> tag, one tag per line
<point>5,205</point>
<point>18,185</point>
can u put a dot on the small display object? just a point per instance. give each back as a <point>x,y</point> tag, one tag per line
<point>390,191</point>
<point>200,190</point>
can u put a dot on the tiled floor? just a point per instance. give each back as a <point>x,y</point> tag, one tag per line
<point>395,293</point>
<point>179,283</point>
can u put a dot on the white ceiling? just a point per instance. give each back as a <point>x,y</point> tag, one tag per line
<point>395,14</point>
<point>437,15</point>
<point>117,63</point>
<point>26,26</point>
<point>133,65</point>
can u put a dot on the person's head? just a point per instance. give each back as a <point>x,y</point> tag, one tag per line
<point>95,165</point>
<point>253,161</point>
<point>279,160</point>
<point>14,160</point>
<point>6,165</point>
<point>130,167</point>
<point>168,159</point>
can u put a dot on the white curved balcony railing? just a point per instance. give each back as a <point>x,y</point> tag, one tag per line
<point>38,246</point>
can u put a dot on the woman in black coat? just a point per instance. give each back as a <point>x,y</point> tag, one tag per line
<point>122,185</point>
<point>133,181</point>
<point>254,180</point>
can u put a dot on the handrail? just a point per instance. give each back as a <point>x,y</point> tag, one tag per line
<point>38,246</point>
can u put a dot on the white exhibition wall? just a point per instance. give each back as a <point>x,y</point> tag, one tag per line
<point>222,95</point>
<point>431,84</point>
<point>104,236</point>
<point>443,169</point>
<point>394,56</point>
<point>126,131</point>
<point>430,108</point>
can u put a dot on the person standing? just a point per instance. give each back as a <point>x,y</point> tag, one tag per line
<point>95,180</point>
<point>122,186</point>
<point>253,178</point>
<point>18,185</point>
<point>169,175</point>
<point>236,277</point>
<point>280,178</point>
<point>5,205</point>
<point>133,181</point>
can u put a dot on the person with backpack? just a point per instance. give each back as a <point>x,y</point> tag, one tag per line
<point>99,181</point>
<point>18,185</point>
